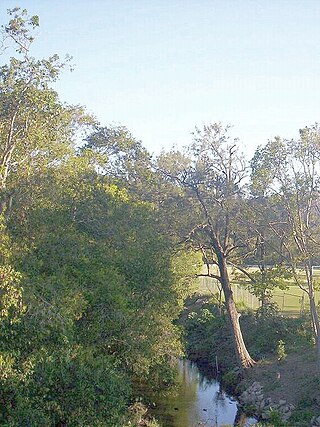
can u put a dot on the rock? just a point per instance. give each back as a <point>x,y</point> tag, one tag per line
<point>255,386</point>
<point>262,406</point>
<point>282,402</point>
<point>285,417</point>
<point>243,396</point>
<point>259,397</point>
<point>268,401</point>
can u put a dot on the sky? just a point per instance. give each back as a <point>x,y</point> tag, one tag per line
<point>162,67</point>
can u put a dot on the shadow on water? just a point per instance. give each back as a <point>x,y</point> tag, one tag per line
<point>199,401</point>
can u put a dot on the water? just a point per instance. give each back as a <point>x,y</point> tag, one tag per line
<point>200,401</point>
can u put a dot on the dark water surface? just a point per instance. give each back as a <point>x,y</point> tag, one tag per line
<point>199,402</point>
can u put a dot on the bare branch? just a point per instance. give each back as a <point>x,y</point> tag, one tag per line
<point>243,271</point>
<point>212,276</point>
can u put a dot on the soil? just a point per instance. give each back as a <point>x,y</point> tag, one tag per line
<point>294,380</point>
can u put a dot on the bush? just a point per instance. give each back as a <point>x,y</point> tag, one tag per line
<point>208,335</point>
<point>208,338</point>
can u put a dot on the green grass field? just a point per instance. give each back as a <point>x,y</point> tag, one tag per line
<point>291,301</point>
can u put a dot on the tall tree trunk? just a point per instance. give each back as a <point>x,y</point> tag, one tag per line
<point>316,327</point>
<point>242,353</point>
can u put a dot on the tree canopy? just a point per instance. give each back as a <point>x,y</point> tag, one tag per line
<point>89,285</point>
<point>101,244</point>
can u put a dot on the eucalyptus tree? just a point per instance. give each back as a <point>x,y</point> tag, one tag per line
<point>122,159</point>
<point>211,174</point>
<point>286,173</point>
<point>35,127</point>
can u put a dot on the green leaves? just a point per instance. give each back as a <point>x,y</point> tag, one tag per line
<point>20,28</point>
<point>267,165</point>
<point>265,280</point>
<point>99,277</point>
<point>11,305</point>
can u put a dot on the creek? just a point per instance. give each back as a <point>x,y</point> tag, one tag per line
<point>199,401</point>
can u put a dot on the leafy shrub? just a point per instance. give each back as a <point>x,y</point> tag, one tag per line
<point>281,351</point>
<point>208,338</point>
<point>208,335</point>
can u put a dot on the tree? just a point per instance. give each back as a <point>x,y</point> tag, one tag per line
<point>89,284</point>
<point>287,173</point>
<point>263,282</point>
<point>36,127</point>
<point>264,251</point>
<point>211,173</point>
<point>102,287</point>
<point>122,159</point>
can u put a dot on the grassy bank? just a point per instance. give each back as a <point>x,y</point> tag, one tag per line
<point>282,346</point>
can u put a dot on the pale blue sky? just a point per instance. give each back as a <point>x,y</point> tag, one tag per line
<point>160,67</point>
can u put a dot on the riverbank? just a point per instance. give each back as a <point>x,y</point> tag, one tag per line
<point>284,378</point>
<point>289,389</point>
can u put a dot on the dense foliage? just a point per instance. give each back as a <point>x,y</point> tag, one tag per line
<point>208,336</point>
<point>90,285</point>
<point>100,245</point>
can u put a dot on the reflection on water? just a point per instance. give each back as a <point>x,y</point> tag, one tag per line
<point>199,402</point>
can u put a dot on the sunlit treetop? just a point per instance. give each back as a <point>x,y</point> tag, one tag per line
<point>20,30</point>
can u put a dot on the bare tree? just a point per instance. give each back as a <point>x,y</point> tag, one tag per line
<point>211,173</point>
<point>287,173</point>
